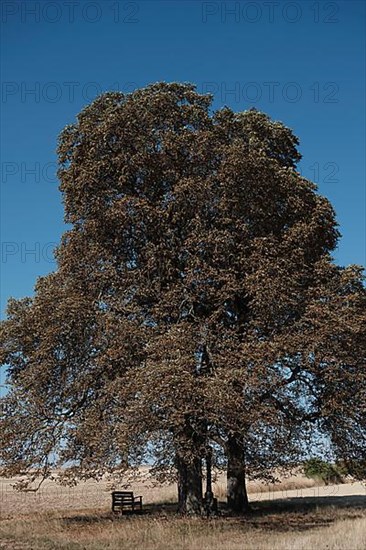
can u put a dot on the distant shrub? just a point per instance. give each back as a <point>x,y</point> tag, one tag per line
<point>354,468</point>
<point>316,468</point>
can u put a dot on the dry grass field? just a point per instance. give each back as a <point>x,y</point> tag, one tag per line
<point>295,514</point>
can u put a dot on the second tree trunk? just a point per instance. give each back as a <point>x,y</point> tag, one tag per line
<point>237,498</point>
<point>189,487</point>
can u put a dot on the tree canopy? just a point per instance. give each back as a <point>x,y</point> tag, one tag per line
<point>195,306</point>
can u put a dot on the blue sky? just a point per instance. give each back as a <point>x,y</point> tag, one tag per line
<point>301,62</point>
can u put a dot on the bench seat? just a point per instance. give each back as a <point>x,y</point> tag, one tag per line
<point>126,499</point>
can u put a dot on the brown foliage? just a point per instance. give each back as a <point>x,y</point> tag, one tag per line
<point>195,298</point>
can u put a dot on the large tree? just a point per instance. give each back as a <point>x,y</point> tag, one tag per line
<point>195,303</point>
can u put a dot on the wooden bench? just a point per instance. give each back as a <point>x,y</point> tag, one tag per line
<point>126,499</point>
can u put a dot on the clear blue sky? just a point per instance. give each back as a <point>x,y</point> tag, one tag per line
<point>301,62</point>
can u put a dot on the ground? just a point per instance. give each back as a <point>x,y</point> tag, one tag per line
<point>284,517</point>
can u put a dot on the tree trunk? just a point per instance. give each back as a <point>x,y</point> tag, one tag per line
<point>209,472</point>
<point>189,487</point>
<point>237,498</point>
<point>210,502</point>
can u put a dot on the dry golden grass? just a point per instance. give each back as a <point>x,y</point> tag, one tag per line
<point>324,527</point>
<point>332,518</point>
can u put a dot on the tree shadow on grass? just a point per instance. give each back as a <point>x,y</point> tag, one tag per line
<point>157,510</point>
<point>291,514</point>
<point>301,513</point>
